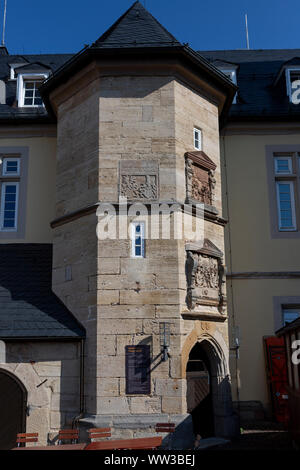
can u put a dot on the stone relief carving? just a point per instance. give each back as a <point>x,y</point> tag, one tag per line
<point>139,186</point>
<point>207,274</point>
<point>200,178</point>
<point>138,180</point>
<point>206,277</point>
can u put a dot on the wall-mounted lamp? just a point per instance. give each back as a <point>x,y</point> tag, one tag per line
<point>164,334</point>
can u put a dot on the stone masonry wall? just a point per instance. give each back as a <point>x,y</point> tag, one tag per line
<point>50,373</point>
<point>119,299</point>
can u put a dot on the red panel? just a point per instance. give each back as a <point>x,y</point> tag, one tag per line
<point>277,376</point>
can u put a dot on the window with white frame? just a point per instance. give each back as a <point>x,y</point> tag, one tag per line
<point>290,314</point>
<point>11,166</point>
<point>197,138</point>
<point>28,90</point>
<point>287,174</point>
<point>10,180</point>
<point>292,82</point>
<point>283,165</point>
<point>286,205</point>
<point>32,95</point>
<point>138,239</point>
<point>231,74</point>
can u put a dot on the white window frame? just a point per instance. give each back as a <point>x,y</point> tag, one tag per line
<point>292,193</point>
<point>4,166</point>
<point>294,68</point>
<point>199,132</point>
<point>290,165</point>
<point>4,185</point>
<point>231,74</point>
<point>133,239</point>
<point>24,77</point>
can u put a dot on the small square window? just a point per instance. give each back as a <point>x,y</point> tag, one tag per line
<point>138,239</point>
<point>283,165</point>
<point>197,139</point>
<point>11,167</point>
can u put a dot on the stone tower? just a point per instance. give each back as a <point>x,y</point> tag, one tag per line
<point>138,118</point>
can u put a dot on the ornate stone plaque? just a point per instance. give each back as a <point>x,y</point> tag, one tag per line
<point>200,180</point>
<point>138,180</point>
<point>205,273</point>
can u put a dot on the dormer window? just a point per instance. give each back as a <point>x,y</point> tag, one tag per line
<point>231,74</point>
<point>293,84</point>
<point>28,90</point>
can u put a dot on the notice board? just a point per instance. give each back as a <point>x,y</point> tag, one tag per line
<point>138,370</point>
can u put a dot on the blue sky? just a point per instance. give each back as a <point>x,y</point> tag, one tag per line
<point>37,26</point>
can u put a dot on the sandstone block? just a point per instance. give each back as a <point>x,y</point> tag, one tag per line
<point>145,405</point>
<point>126,311</point>
<point>163,296</point>
<point>114,326</point>
<point>172,405</point>
<point>107,345</point>
<point>111,366</point>
<point>170,387</point>
<point>108,387</point>
<point>113,405</point>
<point>108,265</point>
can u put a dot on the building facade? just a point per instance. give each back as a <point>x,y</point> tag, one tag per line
<point>131,327</point>
<point>260,158</point>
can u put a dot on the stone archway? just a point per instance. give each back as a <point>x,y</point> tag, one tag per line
<point>13,401</point>
<point>225,421</point>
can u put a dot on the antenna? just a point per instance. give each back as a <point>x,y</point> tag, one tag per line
<point>4,23</point>
<point>247,33</point>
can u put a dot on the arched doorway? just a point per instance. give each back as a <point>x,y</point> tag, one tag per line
<point>209,391</point>
<point>199,392</point>
<point>13,400</point>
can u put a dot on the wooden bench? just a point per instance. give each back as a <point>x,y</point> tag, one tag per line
<point>165,427</point>
<point>68,435</point>
<point>23,438</point>
<point>53,447</point>
<point>128,444</point>
<point>99,433</point>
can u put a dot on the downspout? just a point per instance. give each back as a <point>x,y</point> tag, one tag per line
<point>81,386</point>
<point>236,347</point>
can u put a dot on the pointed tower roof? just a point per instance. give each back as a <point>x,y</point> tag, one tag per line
<point>137,37</point>
<point>136,28</point>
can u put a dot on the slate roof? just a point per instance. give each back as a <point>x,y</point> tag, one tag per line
<point>137,34</point>
<point>136,28</point>
<point>258,96</point>
<point>28,307</point>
